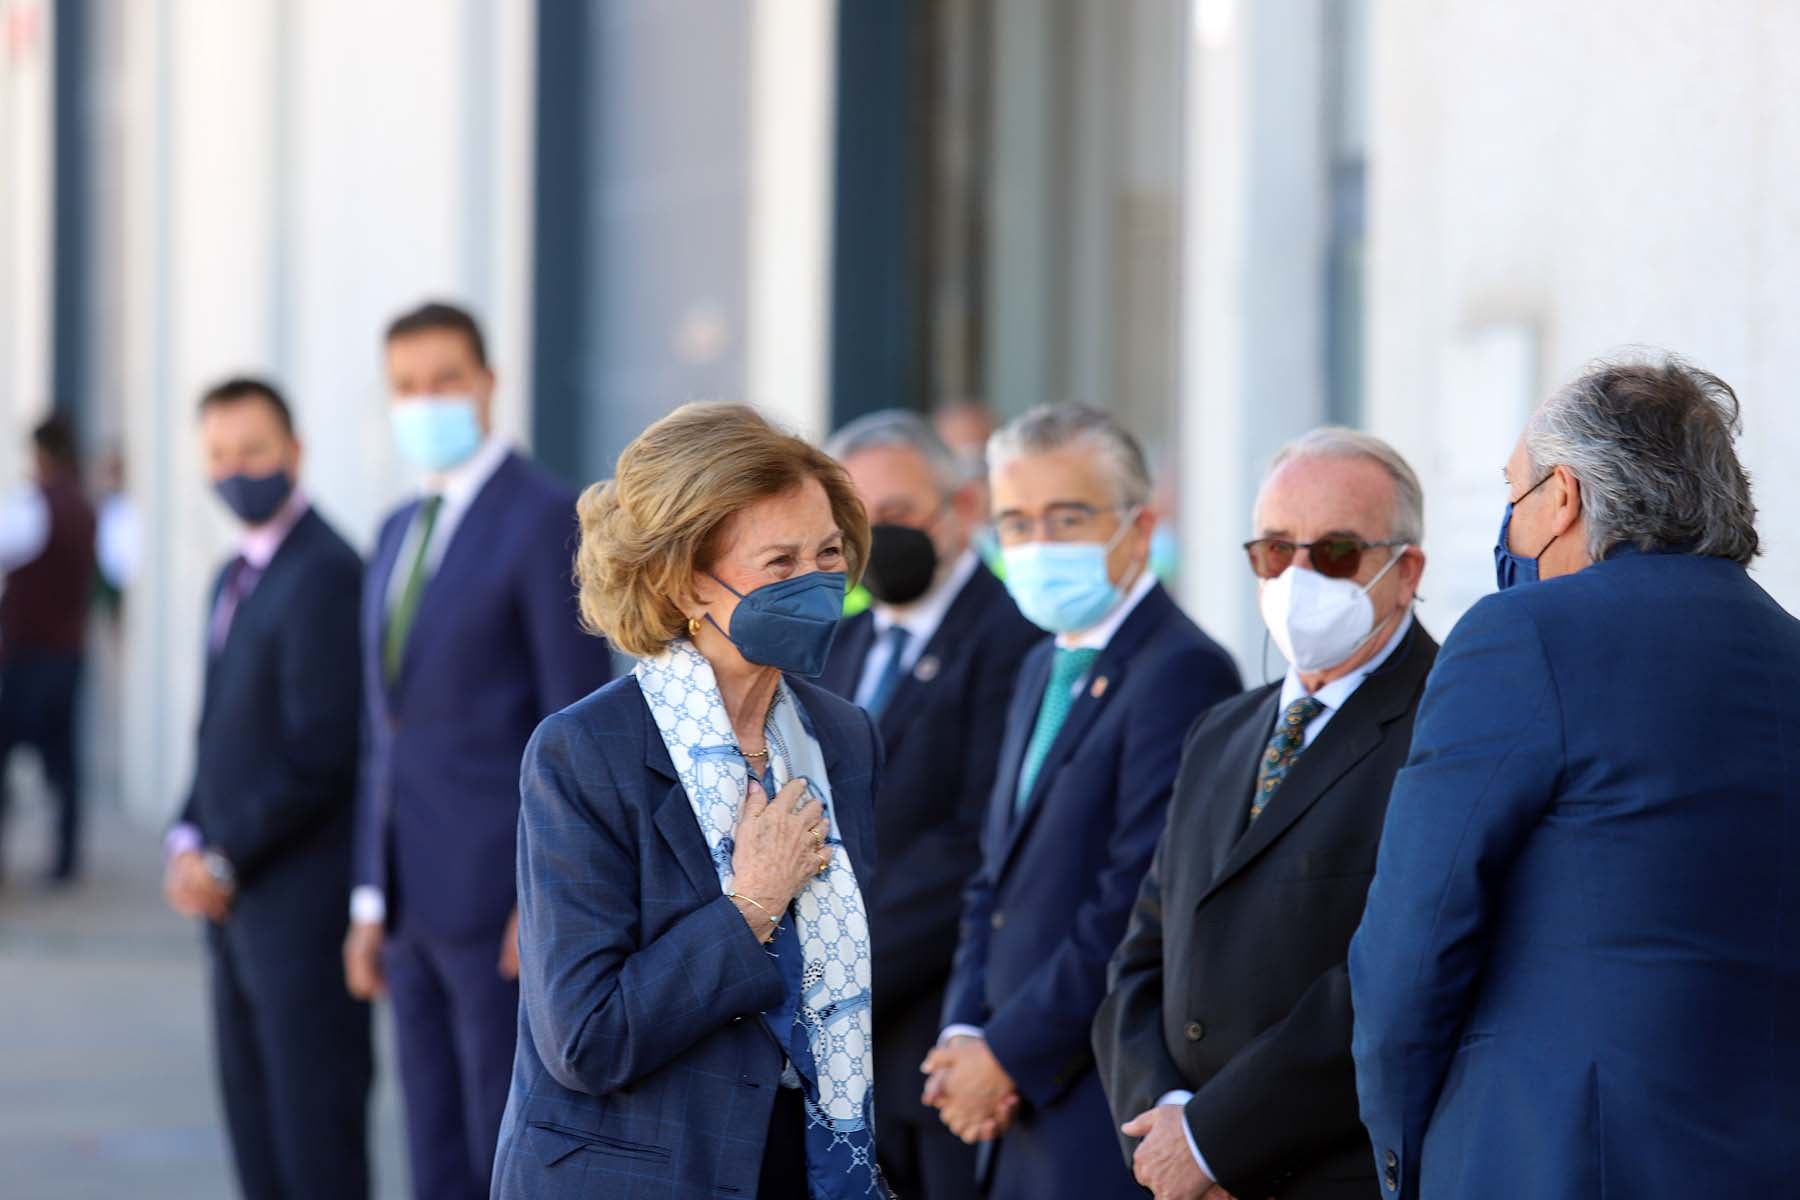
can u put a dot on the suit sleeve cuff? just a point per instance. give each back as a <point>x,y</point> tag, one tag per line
<point>954,1031</point>
<point>368,906</point>
<point>1179,1098</point>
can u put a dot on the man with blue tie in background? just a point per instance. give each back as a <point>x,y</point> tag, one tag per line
<point>1578,972</point>
<point>934,663</point>
<point>1093,738</point>
<point>262,848</point>
<point>470,637</point>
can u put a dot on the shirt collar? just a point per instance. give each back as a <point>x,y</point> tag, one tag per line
<point>922,617</point>
<point>459,485</point>
<point>258,544</point>
<point>1335,694</point>
<point>1098,637</point>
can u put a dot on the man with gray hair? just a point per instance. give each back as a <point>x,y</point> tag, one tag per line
<point>1089,751</point>
<point>933,662</point>
<point>1224,1040</point>
<point>1578,973</point>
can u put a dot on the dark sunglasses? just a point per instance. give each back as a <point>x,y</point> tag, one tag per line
<point>1334,558</point>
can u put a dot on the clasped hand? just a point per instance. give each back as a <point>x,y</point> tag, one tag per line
<point>972,1092</point>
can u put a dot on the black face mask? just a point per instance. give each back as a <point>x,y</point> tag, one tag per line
<point>903,562</point>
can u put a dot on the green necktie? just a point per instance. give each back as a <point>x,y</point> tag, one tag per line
<point>1283,752</point>
<point>400,621</point>
<point>1066,671</point>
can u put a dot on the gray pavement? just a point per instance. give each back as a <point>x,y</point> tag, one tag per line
<point>106,1084</point>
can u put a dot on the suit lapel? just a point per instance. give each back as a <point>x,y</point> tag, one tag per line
<point>1228,807</point>
<point>951,639</point>
<point>850,802</point>
<point>674,816</point>
<point>1027,694</point>
<point>1346,740</point>
<point>849,655</point>
<point>375,611</point>
<point>469,548</point>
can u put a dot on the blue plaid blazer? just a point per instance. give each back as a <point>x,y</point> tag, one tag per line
<point>642,1070</point>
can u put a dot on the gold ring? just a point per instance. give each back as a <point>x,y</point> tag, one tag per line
<point>824,862</point>
<point>818,840</point>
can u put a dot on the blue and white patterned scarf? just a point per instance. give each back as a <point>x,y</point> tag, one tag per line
<point>827,916</point>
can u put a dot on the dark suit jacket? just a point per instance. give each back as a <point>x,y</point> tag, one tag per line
<point>275,777</point>
<point>1049,904</point>
<point>496,647</point>
<point>1579,971</point>
<point>942,730</point>
<point>642,1068</point>
<point>1231,981</point>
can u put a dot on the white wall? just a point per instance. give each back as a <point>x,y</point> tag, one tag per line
<point>1551,182</point>
<point>296,174</point>
<point>25,227</point>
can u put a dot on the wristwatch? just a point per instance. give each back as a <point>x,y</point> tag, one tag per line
<point>220,868</point>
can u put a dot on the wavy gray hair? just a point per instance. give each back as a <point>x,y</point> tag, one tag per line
<point>1042,430</point>
<point>1335,441</point>
<point>1652,443</point>
<point>898,427</point>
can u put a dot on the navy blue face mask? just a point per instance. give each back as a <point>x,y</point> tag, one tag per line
<point>789,624</point>
<point>1511,570</point>
<point>255,498</point>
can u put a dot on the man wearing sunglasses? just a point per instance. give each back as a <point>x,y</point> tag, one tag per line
<point>1092,738</point>
<point>1224,1039</point>
<point>1578,975</point>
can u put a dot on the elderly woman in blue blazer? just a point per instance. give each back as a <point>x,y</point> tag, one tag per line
<point>694,842</point>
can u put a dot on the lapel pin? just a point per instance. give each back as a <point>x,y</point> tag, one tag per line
<point>927,669</point>
<point>1099,688</point>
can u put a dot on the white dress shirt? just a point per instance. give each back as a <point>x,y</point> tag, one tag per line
<point>920,619</point>
<point>1095,637</point>
<point>459,486</point>
<point>1333,696</point>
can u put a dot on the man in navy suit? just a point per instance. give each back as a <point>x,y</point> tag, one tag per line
<point>262,850</point>
<point>1578,973</point>
<point>1093,737</point>
<point>470,637</point>
<point>933,663</point>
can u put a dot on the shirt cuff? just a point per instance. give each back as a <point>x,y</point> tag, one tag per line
<point>954,1031</point>
<point>1180,1098</point>
<point>182,839</point>
<point>368,906</point>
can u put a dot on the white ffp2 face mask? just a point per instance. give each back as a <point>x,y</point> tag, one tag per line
<point>1319,622</point>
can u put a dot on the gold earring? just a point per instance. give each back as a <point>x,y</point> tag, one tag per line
<point>693,627</point>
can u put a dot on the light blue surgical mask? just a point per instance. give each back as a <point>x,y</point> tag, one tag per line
<point>1064,587</point>
<point>435,433</point>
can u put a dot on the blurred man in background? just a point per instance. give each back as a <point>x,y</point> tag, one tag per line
<point>262,850</point>
<point>965,427</point>
<point>1093,737</point>
<point>47,557</point>
<point>934,664</point>
<point>470,638</point>
<point>1578,974</point>
<point>1224,1041</point>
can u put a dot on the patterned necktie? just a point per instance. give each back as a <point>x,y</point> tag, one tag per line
<point>1066,671</point>
<point>240,580</point>
<point>891,672</point>
<point>406,608</point>
<point>1283,752</point>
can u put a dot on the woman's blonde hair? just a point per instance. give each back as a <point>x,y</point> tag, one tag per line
<point>646,531</point>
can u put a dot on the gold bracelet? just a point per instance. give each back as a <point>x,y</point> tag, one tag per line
<point>773,919</point>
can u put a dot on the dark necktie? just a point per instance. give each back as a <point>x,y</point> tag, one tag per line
<point>1066,670</point>
<point>891,672</point>
<point>406,608</point>
<point>1283,752</point>
<point>240,579</point>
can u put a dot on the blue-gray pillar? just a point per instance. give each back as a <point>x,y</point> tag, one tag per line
<point>72,238</point>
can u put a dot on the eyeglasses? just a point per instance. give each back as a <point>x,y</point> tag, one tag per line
<point>1060,523</point>
<point>1334,558</point>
